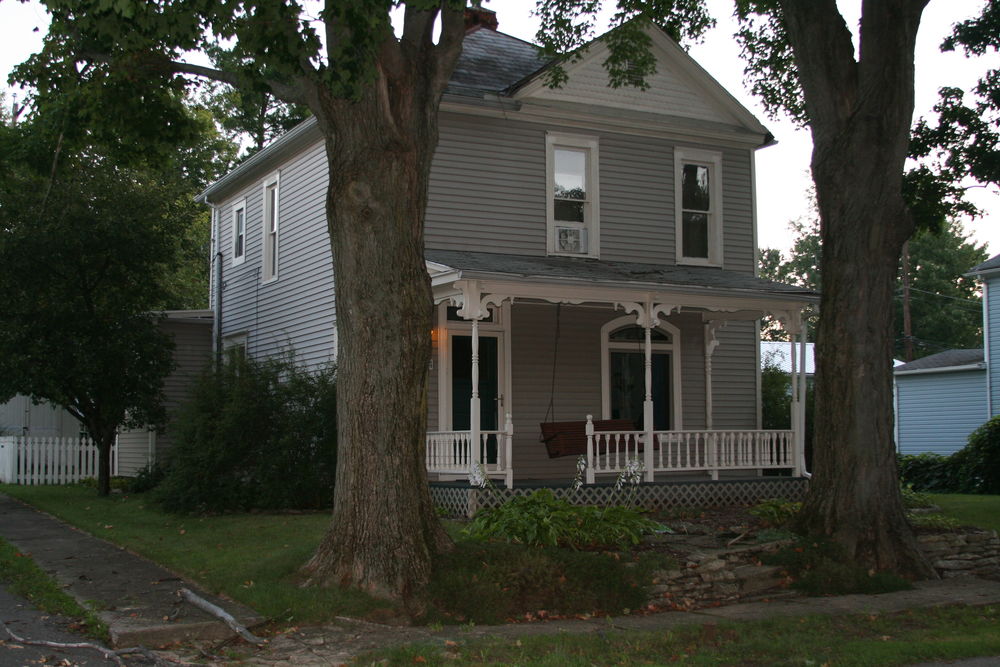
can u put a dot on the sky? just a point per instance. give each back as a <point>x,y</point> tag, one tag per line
<point>783,181</point>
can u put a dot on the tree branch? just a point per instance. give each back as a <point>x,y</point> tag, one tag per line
<point>449,46</point>
<point>295,94</point>
<point>823,47</point>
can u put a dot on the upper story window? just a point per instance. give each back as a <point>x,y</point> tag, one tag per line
<point>698,197</point>
<point>572,207</point>
<point>270,228</point>
<point>239,232</point>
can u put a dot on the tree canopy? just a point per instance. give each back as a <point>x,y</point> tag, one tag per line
<point>945,304</point>
<point>94,242</point>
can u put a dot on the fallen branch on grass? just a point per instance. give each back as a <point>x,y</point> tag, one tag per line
<point>109,654</point>
<point>221,614</point>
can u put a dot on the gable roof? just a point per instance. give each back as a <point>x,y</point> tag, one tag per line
<point>989,266</point>
<point>680,86</point>
<point>493,61</point>
<point>947,360</point>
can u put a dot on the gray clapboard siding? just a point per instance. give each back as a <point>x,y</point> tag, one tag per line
<point>192,354</point>
<point>936,412</point>
<point>734,377</point>
<point>294,314</point>
<point>487,191</point>
<point>21,416</point>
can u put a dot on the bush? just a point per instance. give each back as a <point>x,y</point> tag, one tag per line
<point>978,464</point>
<point>930,473</point>
<point>819,567</point>
<point>146,479</point>
<point>775,512</point>
<point>541,519</point>
<point>498,582</point>
<point>256,435</point>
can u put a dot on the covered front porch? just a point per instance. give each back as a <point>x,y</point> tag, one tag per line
<point>543,364</point>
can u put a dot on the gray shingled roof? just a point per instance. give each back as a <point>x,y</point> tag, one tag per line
<point>602,271</point>
<point>492,61</point>
<point>989,265</point>
<point>944,359</point>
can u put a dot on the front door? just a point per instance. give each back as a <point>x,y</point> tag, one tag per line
<point>489,388</point>
<point>628,388</point>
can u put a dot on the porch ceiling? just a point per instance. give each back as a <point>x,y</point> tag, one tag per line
<point>582,280</point>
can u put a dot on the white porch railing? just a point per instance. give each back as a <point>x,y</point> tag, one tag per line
<point>33,461</point>
<point>451,453</point>
<point>690,451</point>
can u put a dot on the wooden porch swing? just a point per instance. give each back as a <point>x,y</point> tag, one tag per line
<point>569,438</point>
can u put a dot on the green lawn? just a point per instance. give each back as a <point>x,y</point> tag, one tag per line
<point>970,510</point>
<point>252,558</point>
<point>891,639</point>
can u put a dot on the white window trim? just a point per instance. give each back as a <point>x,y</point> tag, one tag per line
<point>673,348</point>
<point>500,329</point>
<point>237,340</point>
<point>238,206</point>
<point>592,222</point>
<point>712,160</point>
<point>272,179</point>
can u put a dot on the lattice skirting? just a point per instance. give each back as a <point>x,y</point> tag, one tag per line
<point>461,500</point>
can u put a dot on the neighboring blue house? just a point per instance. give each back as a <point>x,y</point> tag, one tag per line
<point>942,398</point>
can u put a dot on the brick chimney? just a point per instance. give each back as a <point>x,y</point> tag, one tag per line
<point>477,16</point>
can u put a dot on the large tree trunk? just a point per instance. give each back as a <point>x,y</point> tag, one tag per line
<point>859,113</point>
<point>384,530</point>
<point>103,439</point>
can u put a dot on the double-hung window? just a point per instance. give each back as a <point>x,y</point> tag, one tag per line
<point>572,207</point>
<point>239,232</point>
<point>270,228</point>
<point>698,196</point>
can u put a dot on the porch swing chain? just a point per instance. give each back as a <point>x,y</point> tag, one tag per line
<point>555,355</point>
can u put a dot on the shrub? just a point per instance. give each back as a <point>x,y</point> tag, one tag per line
<point>775,512</point>
<point>498,582</point>
<point>914,499</point>
<point>819,567</point>
<point>146,479</point>
<point>255,435</point>
<point>930,473</point>
<point>541,519</point>
<point>978,464</point>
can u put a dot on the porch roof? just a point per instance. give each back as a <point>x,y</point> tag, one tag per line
<point>451,265</point>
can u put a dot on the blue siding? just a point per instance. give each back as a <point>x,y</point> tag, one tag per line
<point>936,412</point>
<point>991,297</point>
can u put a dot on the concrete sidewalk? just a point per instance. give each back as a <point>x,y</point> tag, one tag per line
<point>135,597</point>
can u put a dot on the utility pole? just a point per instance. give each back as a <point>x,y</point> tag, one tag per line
<point>907,321</point>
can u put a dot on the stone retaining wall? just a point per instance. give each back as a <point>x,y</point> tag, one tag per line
<point>966,553</point>
<point>719,577</point>
<point>714,577</point>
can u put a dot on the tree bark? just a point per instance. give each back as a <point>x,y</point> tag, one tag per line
<point>859,113</point>
<point>379,148</point>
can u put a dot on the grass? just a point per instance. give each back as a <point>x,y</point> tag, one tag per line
<point>252,558</point>
<point>860,639</point>
<point>970,510</point>
<point>23,577</point>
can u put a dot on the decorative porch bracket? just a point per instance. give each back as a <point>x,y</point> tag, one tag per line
<point>647,316</point>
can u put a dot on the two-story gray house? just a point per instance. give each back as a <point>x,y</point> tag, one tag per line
<point>592,253</point>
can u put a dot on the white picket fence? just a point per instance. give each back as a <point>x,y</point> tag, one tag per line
<point>33,461</point>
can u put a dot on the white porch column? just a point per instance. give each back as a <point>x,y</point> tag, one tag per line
<point>474,415</point>
<point>647,405</point>
<point>801,435</point>
<point>794,327</point>
<point>711,342</point>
